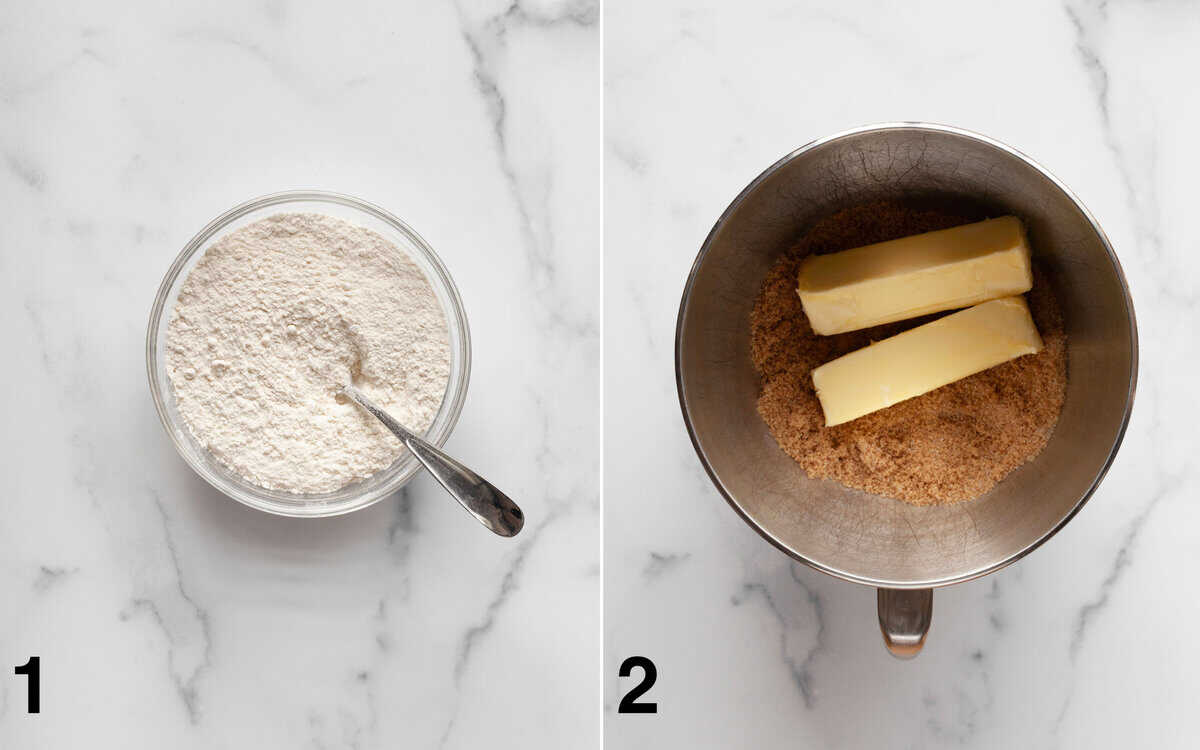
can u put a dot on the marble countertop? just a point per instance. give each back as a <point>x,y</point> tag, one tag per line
<point>166,615</point>
<point>1089,641</point>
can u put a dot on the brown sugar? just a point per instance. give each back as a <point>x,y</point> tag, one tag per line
<point>948,445</point>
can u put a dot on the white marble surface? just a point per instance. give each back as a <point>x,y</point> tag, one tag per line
<point>167,615</point>
<point>1090,641</point>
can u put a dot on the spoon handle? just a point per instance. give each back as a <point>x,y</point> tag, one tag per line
<point>481,498</point>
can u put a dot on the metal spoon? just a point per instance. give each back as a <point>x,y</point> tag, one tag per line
<point>489,505</point>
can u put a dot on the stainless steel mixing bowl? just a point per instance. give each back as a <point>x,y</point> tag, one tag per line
<point>902,550</point>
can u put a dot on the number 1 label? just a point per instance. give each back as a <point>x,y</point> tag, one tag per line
<point>32,669</point>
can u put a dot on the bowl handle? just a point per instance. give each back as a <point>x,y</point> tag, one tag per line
<point>904,616</point>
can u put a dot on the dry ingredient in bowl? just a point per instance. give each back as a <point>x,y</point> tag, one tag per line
<point>949,445</point>
<point>274,319</point>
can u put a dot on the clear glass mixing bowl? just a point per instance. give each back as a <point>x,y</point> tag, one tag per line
<point>359,494</point>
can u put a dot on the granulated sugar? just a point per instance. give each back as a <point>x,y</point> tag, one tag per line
<point>279,315</point>
<point>952,444</point>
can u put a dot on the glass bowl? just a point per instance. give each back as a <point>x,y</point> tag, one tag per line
<point>358,494</point>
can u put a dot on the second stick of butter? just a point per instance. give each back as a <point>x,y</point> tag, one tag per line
<point>924,358</point>
<point>925,273</point>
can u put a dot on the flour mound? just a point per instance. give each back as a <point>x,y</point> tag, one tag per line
<point>274,319</point>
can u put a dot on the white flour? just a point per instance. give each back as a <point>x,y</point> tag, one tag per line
<point>274,319</point>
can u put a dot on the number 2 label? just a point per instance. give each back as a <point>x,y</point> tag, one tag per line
<point>629,704</point>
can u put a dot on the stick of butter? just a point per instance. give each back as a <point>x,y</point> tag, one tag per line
<point>924,358</point>
<point>925,273</point>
